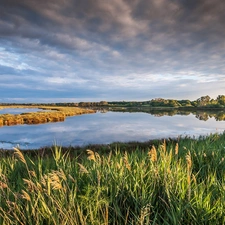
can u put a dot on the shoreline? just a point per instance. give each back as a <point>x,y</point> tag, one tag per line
<point>122,146</point>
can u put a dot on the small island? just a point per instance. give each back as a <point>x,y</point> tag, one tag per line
<point>48,114</point>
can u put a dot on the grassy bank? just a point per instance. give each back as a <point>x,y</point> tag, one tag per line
<point>163,182</point>
<point>52,114</point>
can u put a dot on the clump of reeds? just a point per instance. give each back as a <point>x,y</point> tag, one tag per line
<point>163,185</point>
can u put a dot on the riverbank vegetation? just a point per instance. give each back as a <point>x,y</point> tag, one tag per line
<point>48,114</point>
<point>204,102</point>
<point>169,181</point>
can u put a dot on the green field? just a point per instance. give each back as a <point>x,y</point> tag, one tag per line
<point>163,182</point>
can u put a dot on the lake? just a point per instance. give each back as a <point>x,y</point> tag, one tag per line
<point>104,128</point>
<point>18,110</point>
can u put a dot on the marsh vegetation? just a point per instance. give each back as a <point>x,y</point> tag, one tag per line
<point>48,114</point>
<point>178,181</point>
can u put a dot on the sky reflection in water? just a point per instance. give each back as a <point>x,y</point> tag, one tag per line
<point>18,110</point>
<point>106,128</point>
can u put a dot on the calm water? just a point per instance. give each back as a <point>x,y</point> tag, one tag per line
<point>18,110</point>
<point>106,128</point>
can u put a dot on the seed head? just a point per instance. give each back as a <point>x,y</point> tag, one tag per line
<point>25,195</point>
<point>91,155</point>
<point>19,155</point>
<point>125,160</point>
<point>176,149</point>
<point>153,154</point>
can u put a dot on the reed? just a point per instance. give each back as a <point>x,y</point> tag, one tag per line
<point>157,186</point>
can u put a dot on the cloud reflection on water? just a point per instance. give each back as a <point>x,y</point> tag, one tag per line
<point>106,128</point>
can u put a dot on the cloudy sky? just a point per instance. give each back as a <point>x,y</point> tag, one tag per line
<point>92,50</point>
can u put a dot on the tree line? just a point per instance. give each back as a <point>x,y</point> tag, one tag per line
<point>202,102</point>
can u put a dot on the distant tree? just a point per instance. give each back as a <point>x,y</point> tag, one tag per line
<point>81,104</point>
<point>185,102</point>
<point>204,100</point>
<point>173,103</point>
<point>221,99</point>
<point>103,103</point>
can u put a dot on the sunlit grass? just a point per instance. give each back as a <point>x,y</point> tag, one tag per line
<point>173,182</point>
<point>49,114</point>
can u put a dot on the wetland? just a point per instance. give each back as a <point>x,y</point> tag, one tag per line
<point>107,125</point>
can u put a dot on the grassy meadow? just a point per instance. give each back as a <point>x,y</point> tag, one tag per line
<point>163,182</point>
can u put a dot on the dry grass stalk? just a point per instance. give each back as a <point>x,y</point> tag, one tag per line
<point>125,160</point>
<point>98,157</point>
<point>54,177</point>
<point>189,161</point>
<point>19,155</point>
<point>62,175</point>
<point>109,157</point>
<point>10,204</point>
<point>26,196</point>
<point>31,186</point>
<point>145,211</point>
<point>176,149</point>
<point>58,173</point>
<point>82,168</point>
<point>168,170</point>
<point>189,164</point>
<point>106,215</point>
<point>32,173</point>
<point>56,185</point>
<point>194,178</point>
<point>153,154</point>
<point>71,178</point>
<point>3,185</point>
<point>91,155</point>
<point>43,181</point>
<point>118,165</point>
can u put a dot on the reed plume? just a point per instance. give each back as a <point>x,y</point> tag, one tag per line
<point>91,155</point>
<point>25,195</point>
<point>176,149</point>
<point>153,154</point>
<point>3,185</point>
<point>189,164</point>
<point>82,168</point>
<point>31,186</point>
<point>125,160</point>
<point>19,155</point>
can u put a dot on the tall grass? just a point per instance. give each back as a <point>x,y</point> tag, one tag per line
<point>179,182</point>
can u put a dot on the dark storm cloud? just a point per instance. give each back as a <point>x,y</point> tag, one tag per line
<point>110,46</point>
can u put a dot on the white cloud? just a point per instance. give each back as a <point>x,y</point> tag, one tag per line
<point>134,48</point>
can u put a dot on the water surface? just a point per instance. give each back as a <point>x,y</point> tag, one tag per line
<point>18,110</point>
<point>105,128</point>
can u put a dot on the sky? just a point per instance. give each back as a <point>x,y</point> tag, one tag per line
<point>94,50</point>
